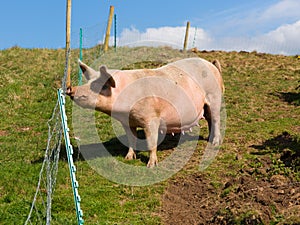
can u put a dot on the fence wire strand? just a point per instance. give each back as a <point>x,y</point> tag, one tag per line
<point>40,211</point>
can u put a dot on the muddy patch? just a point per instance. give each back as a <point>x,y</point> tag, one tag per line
<point>241,200</point>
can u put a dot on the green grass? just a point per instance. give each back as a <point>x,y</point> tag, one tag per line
<point>261,102</point>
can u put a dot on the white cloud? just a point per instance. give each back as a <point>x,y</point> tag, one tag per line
<point>283,40</point>
<point>171,36</point>
<point>282,9</point>
<point>286,33</point>
<point>272,29</point>
<point>256,19</point>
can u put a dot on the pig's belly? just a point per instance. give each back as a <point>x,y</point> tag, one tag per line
<point>176,115</point>
<point>172,122</point>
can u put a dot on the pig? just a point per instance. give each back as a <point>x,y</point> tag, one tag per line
<point>169,99</point>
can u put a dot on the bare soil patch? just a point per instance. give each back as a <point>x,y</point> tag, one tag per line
<point>3,133</point>
<point>241,200</point>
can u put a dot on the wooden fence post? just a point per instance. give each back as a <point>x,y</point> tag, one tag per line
<point>108,28</point>
<point>68,38</point>
<point>186,36</point>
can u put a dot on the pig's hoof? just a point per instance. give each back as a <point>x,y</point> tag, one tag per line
<point>152,163</point>
<point>130,156</point>
<point>216,141</point>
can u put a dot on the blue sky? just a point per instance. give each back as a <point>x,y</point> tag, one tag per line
<point>268,26</point>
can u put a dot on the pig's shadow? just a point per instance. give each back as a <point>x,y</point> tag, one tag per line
<point>287,145</point>
<point>290,97</point>
<point>118,146</point>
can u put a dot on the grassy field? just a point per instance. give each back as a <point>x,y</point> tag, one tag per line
<point>262,140</point>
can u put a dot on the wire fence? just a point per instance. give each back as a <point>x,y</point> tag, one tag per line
<point>40,211</point>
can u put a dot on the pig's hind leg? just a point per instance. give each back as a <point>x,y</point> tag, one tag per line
<point>212,115</point>
<point>132,137</point>
<point>207,116</point>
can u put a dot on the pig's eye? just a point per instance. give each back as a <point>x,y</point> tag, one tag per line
<point>82,97</point>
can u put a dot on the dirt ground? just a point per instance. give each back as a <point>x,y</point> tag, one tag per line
<point>264,194</point>
<point>241,200</point>
<point>260,192</point>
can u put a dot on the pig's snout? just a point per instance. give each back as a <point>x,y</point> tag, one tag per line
<point>70,92</point>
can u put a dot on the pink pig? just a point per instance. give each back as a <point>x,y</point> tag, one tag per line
<point>169,99</point>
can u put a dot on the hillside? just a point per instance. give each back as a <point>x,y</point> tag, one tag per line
<point>253,180</point>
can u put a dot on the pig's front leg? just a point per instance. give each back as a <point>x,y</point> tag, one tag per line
<point>132,136</point>
<point>151,132</point>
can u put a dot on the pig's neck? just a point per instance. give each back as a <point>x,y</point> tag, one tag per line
<point>104,105</point>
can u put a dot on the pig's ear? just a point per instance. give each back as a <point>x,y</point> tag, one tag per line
<point>88,72</point>
<point>107,76</point>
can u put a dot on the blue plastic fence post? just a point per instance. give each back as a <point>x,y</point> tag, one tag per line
<point>69,149</point>
<point>115,32</point>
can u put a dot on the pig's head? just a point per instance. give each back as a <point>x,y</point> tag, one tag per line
<point>96,93</point>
